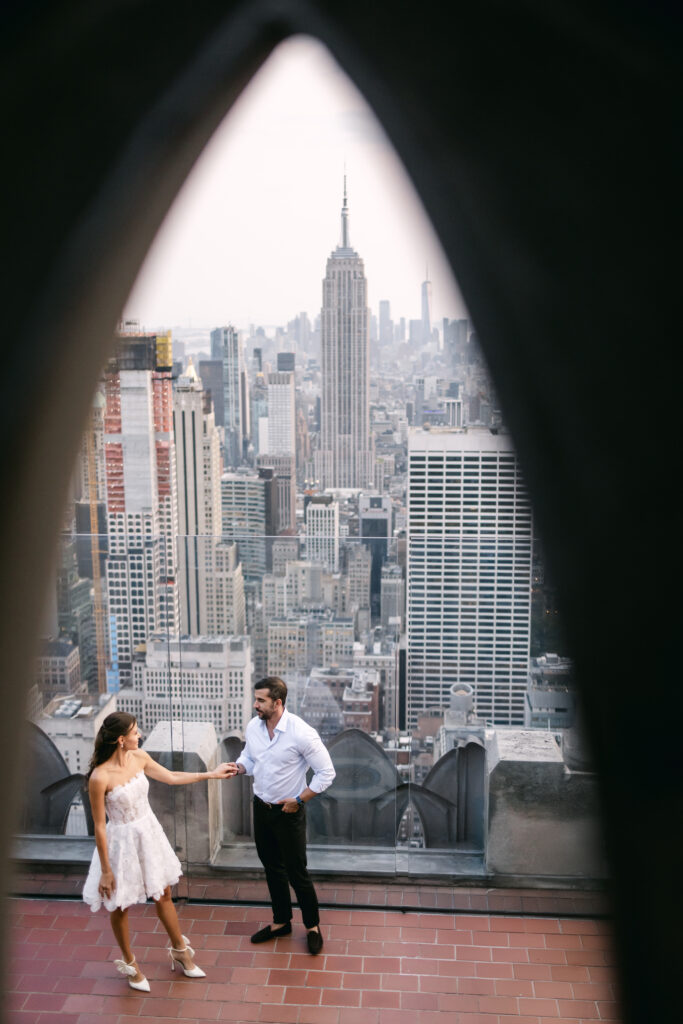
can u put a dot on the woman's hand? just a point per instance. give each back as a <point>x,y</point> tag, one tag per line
<point>226,770</point>
<point>107,884</point>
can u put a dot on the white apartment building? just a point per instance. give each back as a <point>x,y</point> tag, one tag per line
<point>299,643</point>
<point>337,638</point>
<point>274,597</point>
<point>281,433</point>
<point>225,603</point>
<point>322,532</point>
<point>358,585</point>
<point>468,573</point>
<point>358,570</point>
<point>335,593</point>
<point>393,598</point>
<point>300,586</point>
<point>285,550</point>
<point>385,468</point>
<point>72,724</point>
<point>192,679</point>
<point>289,646</point>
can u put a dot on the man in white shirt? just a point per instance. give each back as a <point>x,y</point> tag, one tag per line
<point>279,749</point>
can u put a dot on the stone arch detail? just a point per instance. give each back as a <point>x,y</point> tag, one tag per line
<point>437,814</point>
<point>460,777</point>
<point>360,805</point>
<point>48,788</point>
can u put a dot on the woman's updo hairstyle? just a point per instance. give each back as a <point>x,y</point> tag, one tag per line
<point>114,726</point>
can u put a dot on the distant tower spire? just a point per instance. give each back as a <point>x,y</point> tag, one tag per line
<point>345,457</point>
<point>345,244</point>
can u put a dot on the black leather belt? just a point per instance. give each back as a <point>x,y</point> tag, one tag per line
<point>264,803</point>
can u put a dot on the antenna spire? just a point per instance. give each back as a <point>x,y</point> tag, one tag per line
<point>345,244</point>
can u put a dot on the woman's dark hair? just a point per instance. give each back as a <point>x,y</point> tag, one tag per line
<point>115,725</point>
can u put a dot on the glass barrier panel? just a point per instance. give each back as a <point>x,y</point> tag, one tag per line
<point>421,659</point>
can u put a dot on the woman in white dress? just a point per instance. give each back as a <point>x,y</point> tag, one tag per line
<point>134,860</point>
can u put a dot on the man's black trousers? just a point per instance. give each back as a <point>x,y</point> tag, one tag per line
<point>281,845</point>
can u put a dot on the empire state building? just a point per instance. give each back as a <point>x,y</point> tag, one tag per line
<point>345,458</point>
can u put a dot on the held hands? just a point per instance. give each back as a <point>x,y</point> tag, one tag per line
<point>226,770</point>
<point>107,884</point>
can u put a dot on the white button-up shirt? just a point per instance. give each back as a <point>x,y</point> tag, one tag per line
<point>279,765</point>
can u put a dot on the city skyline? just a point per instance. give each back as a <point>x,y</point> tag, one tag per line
<point>244,240</point>
<point>285,518</point>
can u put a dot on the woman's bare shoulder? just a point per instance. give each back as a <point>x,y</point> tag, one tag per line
<point>99,776</point>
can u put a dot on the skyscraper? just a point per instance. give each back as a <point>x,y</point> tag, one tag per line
<point>375,519</point>
<point>469,573</point>
<point>322,531</point>
<point>211,373</point>
<point>286,361</point>
<point>225,605</point>
<point>277,442</point>
<point>386,327</point>
<point>249,509</point>
<point>226,345</point>
<point>393,597</point>
<point>345,456</point>
<point>426,312</point>
<point>141,497</point>
<point>284,470</point>
<point>281,434</point>
<point>197,448</point>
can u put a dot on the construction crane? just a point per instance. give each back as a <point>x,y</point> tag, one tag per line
<point>95,553</point>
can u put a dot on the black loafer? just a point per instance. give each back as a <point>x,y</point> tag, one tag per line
<point>271,933</point>
<point>315,942</point>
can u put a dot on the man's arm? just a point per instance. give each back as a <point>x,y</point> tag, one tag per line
<point>244,765</point>
<point>318,758</point>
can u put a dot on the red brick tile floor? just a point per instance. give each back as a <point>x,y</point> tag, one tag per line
<point>377,967</point>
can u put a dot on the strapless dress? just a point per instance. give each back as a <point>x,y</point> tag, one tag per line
<point>142,859</point>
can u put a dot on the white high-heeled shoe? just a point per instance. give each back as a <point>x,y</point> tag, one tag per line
<point>131,970</point>
<point>193,972</point>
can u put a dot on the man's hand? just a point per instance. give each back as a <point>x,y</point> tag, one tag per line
<point>226,770</point>
<point>289,806</point>
<point>234,769</point>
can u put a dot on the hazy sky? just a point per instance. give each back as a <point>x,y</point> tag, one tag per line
<point>249,234</point>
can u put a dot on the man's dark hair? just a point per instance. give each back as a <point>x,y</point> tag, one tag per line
<point>276,687</point>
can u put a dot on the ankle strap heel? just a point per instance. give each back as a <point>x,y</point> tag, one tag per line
<point>192,972</point>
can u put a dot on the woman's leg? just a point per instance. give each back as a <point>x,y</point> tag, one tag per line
<point>166,913</point>
<point>119,926</point>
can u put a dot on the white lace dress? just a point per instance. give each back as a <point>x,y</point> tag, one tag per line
<point>142,859</point>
